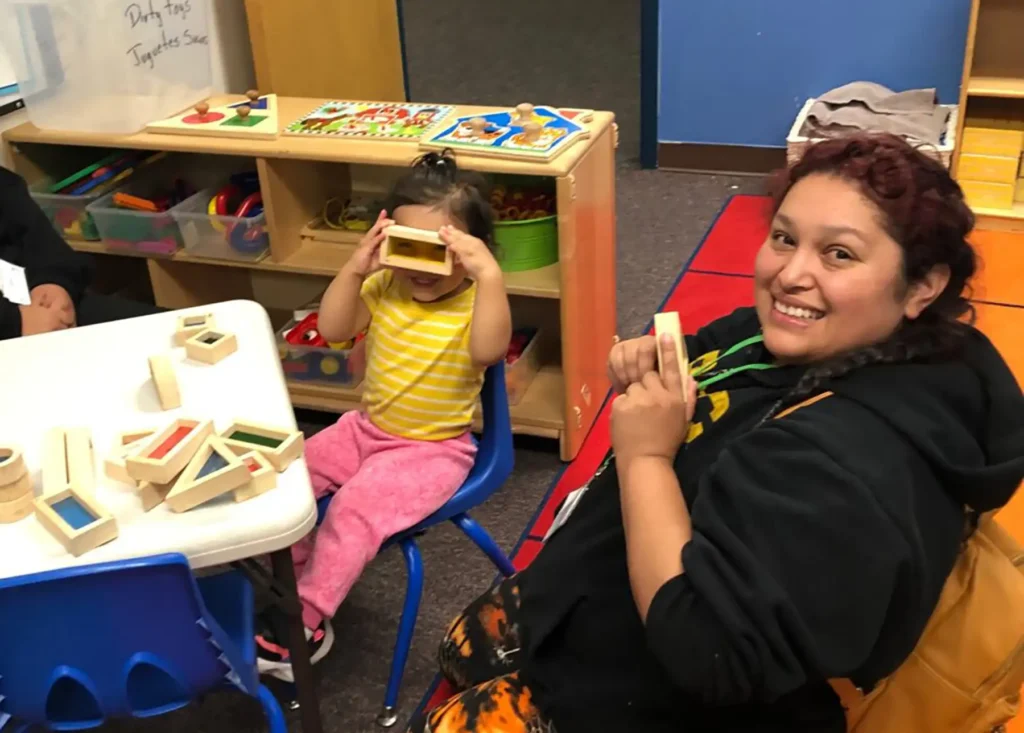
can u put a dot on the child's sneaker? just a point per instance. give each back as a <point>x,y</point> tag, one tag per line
<point>272,656</point>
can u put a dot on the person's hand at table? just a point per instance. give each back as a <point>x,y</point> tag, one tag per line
<point>56,298</point>
<point>38,319</point>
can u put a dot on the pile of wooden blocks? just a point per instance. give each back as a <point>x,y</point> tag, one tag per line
<point>186,464</point>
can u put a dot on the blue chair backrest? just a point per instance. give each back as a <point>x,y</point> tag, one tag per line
<point>115,639</point>
<point>495,452</point>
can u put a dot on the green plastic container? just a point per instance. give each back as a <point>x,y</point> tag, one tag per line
<point>527,245</point>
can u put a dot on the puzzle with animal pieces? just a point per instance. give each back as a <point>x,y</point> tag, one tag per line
<point>526,132</point>
<point>253,118</point>
<point>372,120</point>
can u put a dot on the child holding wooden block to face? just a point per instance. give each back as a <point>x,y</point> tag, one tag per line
<point>430,338</point>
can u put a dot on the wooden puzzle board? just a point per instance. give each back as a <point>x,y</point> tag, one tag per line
<point>224,121</point>
<point>503,137</point>
<point>370,120</point>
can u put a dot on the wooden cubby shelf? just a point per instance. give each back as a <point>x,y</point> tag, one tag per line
<point>987,161</point>
<point>996,86</point>
<point>572,302</point>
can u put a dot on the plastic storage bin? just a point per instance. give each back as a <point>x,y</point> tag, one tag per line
<point>69,213</point>
<point>126,230</point>
<point>220,237</point>
<point>340,368</point>
<point>106,66</point>
<point>520,373</point>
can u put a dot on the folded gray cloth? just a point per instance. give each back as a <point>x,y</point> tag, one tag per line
<point>862,105</point>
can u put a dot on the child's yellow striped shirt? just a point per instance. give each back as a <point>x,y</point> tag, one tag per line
<point>420,379</point>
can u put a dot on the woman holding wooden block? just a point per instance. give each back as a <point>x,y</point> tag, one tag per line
<point>794,523</point>
<point>432,331</point>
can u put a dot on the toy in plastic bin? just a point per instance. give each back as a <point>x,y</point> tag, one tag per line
<point>513,203</point>
<point>156,234</point>
<point>308,356</point>
<point>240,198</point>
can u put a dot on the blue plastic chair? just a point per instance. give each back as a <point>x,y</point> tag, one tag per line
<point>134,638</point>
<point>494,460</point>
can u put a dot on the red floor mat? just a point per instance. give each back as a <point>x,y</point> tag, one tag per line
<point>730,246</point>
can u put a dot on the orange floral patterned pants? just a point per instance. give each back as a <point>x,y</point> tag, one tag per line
<point>478,656</point>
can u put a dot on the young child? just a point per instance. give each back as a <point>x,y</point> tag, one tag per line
<point>429,341</point>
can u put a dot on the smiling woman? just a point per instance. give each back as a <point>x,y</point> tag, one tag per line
<point>867,259</point>
<point>796,522</point>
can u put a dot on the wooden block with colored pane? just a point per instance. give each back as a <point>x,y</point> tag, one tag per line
<point>189,326</point>
<point>262,477</point>
<point>281,446</point>
<point>167,453</point>
<point>211,345</point>
<point>415,249</point>
<point>76,520</point>
<point>214,470</point>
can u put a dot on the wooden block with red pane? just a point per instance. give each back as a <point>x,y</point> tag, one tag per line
<point>262,476</point>
<point>167,453</point>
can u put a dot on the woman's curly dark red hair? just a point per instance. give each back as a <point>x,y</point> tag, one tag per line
<point>922,207</point>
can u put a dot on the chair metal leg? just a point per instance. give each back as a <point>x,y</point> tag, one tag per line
<point>410,610</point>
<point>484,541</point>
<point>275,718</point>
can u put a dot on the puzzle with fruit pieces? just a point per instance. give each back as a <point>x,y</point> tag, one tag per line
<point>539,133</point>
<point>372,120</point>
<point>252,118</point>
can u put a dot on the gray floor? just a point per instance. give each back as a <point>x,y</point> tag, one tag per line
<point>567,52</point>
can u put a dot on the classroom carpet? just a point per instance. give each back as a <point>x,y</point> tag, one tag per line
<point>716,280</point>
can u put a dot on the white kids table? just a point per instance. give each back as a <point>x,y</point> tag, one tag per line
<point>98,377</point>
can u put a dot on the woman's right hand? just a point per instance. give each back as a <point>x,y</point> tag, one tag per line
<point>366,258</point>
<point>629,361</point>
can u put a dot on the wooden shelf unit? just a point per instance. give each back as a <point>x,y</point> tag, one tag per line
<point>573,301</point>
<point>992,88</point>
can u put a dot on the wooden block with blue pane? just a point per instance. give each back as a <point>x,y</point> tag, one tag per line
<point>214,470</point>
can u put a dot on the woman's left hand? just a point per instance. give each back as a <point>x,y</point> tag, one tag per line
<point>470,252</point>
<point>652,418</point>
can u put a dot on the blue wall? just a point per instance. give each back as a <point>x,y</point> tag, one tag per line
<point>738,71</point>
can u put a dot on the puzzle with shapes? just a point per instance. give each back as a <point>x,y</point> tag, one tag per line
<point>253,118</point>
<point>526,132</point>
<point>373,120</point>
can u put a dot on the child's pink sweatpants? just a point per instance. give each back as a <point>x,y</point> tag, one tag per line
<point>384,485</point>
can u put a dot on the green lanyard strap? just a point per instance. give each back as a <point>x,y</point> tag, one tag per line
<point>759,338</point>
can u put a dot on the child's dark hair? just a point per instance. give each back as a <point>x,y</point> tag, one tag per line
<point>436,181</point>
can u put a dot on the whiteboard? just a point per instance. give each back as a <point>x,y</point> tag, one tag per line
<point>8,79</point>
